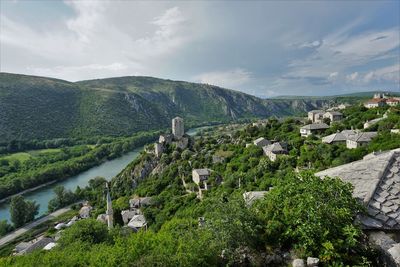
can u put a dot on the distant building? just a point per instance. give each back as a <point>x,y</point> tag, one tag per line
<point>316,116</point>
<point>140,202</point>
<point>339,137</point>
<point>178,128</point>
<point>165,139</point>
<point>360,139</point>
<point>250,197</point>
<point>272,151</point>
<point>375,102</point>
<point>333,116</point>
<point>158,149</point>
<point>343,106</point>
<point>395,131</point>
<point>393,102</point>
<point>372,122</point>
<point>260,142</point>
<point>127,215</point>
<point>182,143</point>
<point>138,222</point>
<point>200,177</point>
<point>313,128</point>
<point>35,244</point>
<point>109,211</point>
<point>84,212</point>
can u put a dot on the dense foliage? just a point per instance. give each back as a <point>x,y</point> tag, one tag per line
<point>300,214</point>
<point>38,168</point>
<point>316,215</point>
<point>22,211</point>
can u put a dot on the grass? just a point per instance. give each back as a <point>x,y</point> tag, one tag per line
<point>43,151</point>
<point>20,156</point>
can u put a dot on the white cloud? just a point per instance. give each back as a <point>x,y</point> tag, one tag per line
<point>228,79</point>
<point>352,77</point>
<point>93,40</point>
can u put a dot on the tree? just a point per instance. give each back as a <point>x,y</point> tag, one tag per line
<point>315,214</point>
<point>63,198</point>
<point>89,230</point>
<point>5,227</point>
<point>22,211</point>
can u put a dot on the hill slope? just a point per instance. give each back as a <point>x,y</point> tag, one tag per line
<point>43,108</point>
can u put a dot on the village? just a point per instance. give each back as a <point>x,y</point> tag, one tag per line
<point>376,177</point>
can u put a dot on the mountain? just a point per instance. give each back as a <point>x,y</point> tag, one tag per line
<point>356,95</point>
<point>43,108</point>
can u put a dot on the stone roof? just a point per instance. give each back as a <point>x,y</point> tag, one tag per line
<point>250,197</point>
<point>28,247</point>
<point>338,137</point>
<point>362,136</point>
<point>315,126</point>
<point>376,181</point>
<point>202,171</point>
<point>316,111</point>
<point>260,140</point>
<point>140,202</point>
<point>138,221</point>
<point>337,113</point>
<point>275,148</point>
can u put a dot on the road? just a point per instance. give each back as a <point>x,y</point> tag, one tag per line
<point>20,231</point>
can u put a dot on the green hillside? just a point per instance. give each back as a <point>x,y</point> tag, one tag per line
<point>38,108</point>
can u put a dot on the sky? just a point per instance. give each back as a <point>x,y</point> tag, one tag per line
<point>263,48</point>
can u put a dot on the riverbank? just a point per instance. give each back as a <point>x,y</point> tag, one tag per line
<point>27,191</point>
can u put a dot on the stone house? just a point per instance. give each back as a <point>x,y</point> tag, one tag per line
<point>372,122</point>
<point>84,212</point>
<point>200,177</point>
<point>182,143</point>
<point>137,223</point>
<point>35,244</point>
<point>376,181</point>
<point>260,142</point>
<point>313,128</point>
<point>178,129</point>
<point>127,215</point>
<point>316,116</point>
<point>272,151</point>
<point>360,139</point>
<point>333,115</point>
<point>140,202</point>
<point>158,149</point>
<point>165,139</point>
<point>339,137</point>
<point>251,196</point>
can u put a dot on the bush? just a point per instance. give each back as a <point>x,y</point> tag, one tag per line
<point>316,215</point>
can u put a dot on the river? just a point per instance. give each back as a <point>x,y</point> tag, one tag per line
<point>108,170</point>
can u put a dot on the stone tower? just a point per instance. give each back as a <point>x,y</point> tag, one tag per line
<point>177,128</point>
<point>109,212</point>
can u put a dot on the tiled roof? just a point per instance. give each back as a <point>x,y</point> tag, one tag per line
<point>376,181</point>
<point>376,100</point>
